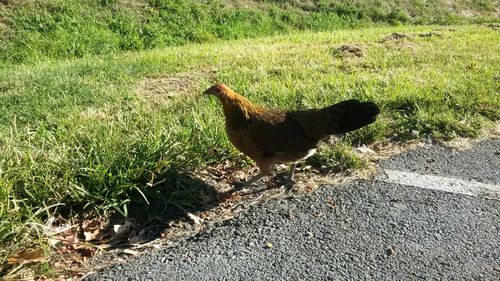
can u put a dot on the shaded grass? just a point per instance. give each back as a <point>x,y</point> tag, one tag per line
<point>77,132</point>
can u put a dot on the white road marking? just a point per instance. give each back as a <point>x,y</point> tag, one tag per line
<point>472,188</point>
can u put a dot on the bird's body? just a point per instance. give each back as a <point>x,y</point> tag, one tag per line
<point>271,136</point>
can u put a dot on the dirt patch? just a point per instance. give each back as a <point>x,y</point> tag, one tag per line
<point>3,9</point>
<point>401,37</point>
<point>160,90</point>
<point>3,27</point>
<point>349,50</point>
<point>405,41</point>
<point>430,34</point>
<point>495,26</point>
<point>396,36</point>
<point>445,29</point>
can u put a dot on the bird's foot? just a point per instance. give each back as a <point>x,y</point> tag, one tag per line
<point>289,182</point>
<point>283,180</point>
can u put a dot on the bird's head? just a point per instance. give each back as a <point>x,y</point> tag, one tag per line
<point>219,90</point>
<point>231,100</point>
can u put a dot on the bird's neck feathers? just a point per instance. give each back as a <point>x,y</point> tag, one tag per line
<point>237,109</point>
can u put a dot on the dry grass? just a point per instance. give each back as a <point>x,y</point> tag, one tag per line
<point>160,90</point>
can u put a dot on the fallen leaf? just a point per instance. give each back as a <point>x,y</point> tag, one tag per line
<point>64,249</point>
<point>68,239</point>
<point>86,252</point>
<point>26,255</point>
<point>122,230</point>
<point>195,219</point>
<point>51,229</point>
<point>175,223</point>
<point>330,203</point>
<point>320,215</point>
<point>308,188</point>
<point>364,150</point>
<point>128,252</point>
<point>89,236</point>
<point>92,229</point>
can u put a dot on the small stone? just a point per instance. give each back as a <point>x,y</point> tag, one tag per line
<point>390,251</point>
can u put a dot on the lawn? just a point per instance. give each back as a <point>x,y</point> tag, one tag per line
<point>98,133</point>
<point>34,30</point>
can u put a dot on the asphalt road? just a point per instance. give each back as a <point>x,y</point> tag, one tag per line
<point>366,230</point>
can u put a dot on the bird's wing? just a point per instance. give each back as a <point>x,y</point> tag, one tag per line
<point>277,132</point>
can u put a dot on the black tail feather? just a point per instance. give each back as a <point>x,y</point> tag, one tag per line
<point>350,115</point>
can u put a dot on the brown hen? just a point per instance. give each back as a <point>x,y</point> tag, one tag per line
<point>272,136</point>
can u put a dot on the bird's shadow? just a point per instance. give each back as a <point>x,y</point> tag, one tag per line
<point>156,209</point>
<point>168,206</point>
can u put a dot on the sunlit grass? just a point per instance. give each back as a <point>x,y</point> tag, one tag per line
<point>83,133</point>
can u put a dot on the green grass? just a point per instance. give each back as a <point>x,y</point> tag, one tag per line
<point>34,30</point>
<point>83,133</point>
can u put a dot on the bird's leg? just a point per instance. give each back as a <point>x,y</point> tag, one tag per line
<point>291,172</point>
<point>289,179</point>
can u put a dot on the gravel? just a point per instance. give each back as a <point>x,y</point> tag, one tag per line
<point>362,230</point>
